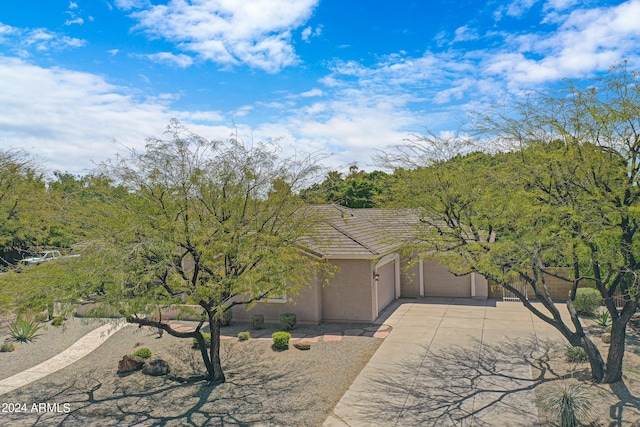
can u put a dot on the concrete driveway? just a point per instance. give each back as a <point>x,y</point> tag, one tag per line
<point>451,362</point>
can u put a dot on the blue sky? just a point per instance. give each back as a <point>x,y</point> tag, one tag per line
<point>343,77</point>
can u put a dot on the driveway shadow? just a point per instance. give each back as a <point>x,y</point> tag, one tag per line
<point>479,385</point>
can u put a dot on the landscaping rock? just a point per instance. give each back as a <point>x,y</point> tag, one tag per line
<point>302,345</point>
<point>156,368</point>
<point>130,363</point>
<point>606,338</point>
<point>7,347</point>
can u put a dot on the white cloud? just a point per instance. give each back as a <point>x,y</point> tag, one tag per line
<point>560,5</point>
<point>309,32</point>
<point>181,60</point>
<point>7,30</point>
<point>21,40</point>
<point>37,115</point>
<point>74,18</point>
<point>518,8</point>
<point>306,33</point>
<point>587,40</point>
<point>311,93</point>
<point>131,4</point>
<point>242,111</point>
<point>465,33</point>
<point>256,33</point>
<point>77,20</point>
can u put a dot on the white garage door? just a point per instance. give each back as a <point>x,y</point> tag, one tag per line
<point>440,282</point>
<point>386,285</point>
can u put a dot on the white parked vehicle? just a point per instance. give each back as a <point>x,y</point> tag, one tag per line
<point>46,256</point>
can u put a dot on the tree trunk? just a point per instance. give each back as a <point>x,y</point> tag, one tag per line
<point>214,324</point>
<point>205,356</point>
<point>616,351</point>
<point>197,335</point>
<point>595,358</point>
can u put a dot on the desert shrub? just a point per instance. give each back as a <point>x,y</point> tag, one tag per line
<point>243,336</point>
<point>207,341</point>
<point>587,301</point>
<point>225,318</point>
<point>24,330</point>
<point>257,320</point>
<point>57,321</point>
<point>575,354</point>
<point>143,352</point>
<point>7,347</point>
<point>287,321</point>
<point>281,340</point>
<point>568,405</point>
<point>603,318</point>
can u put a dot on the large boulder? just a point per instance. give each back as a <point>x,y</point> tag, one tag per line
<point>130,363</point>
<point>156,368</point>
<point>302,345</point>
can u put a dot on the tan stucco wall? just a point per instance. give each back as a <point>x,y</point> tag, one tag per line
<point>482,286</point>
<point>349,295</point>
<point>409,277</point>
<point>307,306</point>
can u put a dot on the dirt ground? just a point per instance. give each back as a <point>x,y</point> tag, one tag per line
<point>264,386</point>
<point>614,405</point>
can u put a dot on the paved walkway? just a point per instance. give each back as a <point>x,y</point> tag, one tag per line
<point>76,351</point>
<point>450,362</point>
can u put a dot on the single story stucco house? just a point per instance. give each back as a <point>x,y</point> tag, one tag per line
<point>366,247</point>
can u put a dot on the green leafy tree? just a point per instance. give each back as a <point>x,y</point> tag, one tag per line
<point>210,223</point>
<point>358,189</point>
<point>24,208</point>
<point>80,202</point>
<point>560,190</point>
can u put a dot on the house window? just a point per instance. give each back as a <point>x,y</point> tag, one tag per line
<point>278,299</point>
<point>275,297</point>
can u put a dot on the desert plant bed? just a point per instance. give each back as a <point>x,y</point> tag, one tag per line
<point>613,404</point>
<point>264,387</point>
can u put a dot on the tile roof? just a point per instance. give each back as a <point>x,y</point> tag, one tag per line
<point>346,232</point>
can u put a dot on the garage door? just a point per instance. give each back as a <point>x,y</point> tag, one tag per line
<point>386,285</point>
<point>440,282</point>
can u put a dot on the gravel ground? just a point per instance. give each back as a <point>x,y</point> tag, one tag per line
<point>264,387</point>
<point>51,341</point>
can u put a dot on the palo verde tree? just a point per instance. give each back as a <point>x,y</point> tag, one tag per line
<point>208,223</point>
<point>558,189</point>
<point>24,208</point>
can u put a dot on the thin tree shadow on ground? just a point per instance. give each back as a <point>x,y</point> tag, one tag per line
<point>626,400</point>
<point>479,385</point>
<point>249,397</point>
